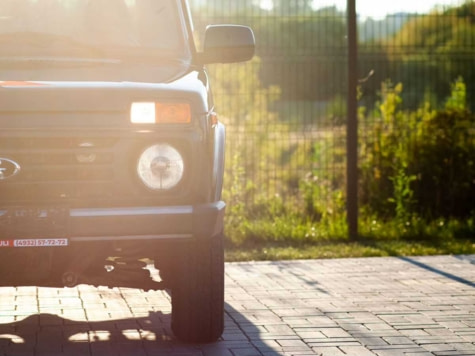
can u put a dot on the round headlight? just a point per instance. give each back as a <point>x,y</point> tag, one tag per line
<point>160,167</point>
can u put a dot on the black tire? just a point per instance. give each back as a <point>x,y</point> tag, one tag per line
<point>198,292</point>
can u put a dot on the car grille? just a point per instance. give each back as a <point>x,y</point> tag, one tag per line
<point>60,169</point>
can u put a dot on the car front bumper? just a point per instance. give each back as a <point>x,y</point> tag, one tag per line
<point>138,223</point>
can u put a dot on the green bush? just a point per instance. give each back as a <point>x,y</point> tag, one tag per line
<point>419,163</point>
<point>444,162</point>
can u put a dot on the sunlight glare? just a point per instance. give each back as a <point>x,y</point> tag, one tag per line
<point>375,10</point>
<point>267,4</point>
<point>15,339</point>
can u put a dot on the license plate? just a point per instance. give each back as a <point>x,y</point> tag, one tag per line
<point>34,243</point>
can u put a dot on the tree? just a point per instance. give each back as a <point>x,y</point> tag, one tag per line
<point>308,57</point>
<point>433,50</point>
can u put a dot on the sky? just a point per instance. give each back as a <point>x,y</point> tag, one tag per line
<point>379,9</point>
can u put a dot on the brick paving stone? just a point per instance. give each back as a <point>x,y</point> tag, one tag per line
<point>330,351</point>
<point>297,343</point>
<point>393,352</point>
<point>333,342</point>
<point>246,351</point>
<point>413,306</point>
<point>468,338</point>
<point>309,334</point>
<point>398,340</point>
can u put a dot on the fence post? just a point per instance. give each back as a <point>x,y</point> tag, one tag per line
<point>352,124</point>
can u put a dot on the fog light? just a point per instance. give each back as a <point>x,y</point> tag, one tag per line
<point>160,167</point>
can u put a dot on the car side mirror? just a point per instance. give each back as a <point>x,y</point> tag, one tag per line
<point>227,44</point>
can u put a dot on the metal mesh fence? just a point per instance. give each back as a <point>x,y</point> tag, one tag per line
<point>286,110</point>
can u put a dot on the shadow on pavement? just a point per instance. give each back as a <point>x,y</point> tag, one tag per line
<point>146,333</point>
<point>52,335</point>
<point>438,271</point>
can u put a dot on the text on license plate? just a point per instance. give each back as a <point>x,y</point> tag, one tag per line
<point>34,243</point>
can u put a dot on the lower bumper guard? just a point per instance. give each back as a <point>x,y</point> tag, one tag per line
<point>116,224</point>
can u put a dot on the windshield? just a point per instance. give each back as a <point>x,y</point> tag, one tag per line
<point>92,28</point>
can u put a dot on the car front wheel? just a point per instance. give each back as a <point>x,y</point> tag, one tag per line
<point>198,291</point>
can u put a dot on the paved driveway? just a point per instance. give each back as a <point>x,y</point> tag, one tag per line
<point>372,306</point>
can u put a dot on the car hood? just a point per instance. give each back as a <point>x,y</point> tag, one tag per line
<point>151,69</point>
<point>24,96</point>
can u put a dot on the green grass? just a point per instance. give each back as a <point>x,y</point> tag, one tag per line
<point>344,249</point>
<point>292,237</point>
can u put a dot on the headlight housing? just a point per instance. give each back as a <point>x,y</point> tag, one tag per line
<point>160,113</point>
<point>161,167</point>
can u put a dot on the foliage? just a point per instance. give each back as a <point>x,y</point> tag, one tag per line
<point>323,200</point>
<point>458,97</point>
<point>304,51</point>
<point>309,55</point>
<point>285,175</point>
<point>445,162</point>
<point>408,159</point>
<point>336,111</point>
<point>420,163</point>
<point>382,160</point>
<point>266,202</point>
<point>250,181</point>
<point>437,48</point>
